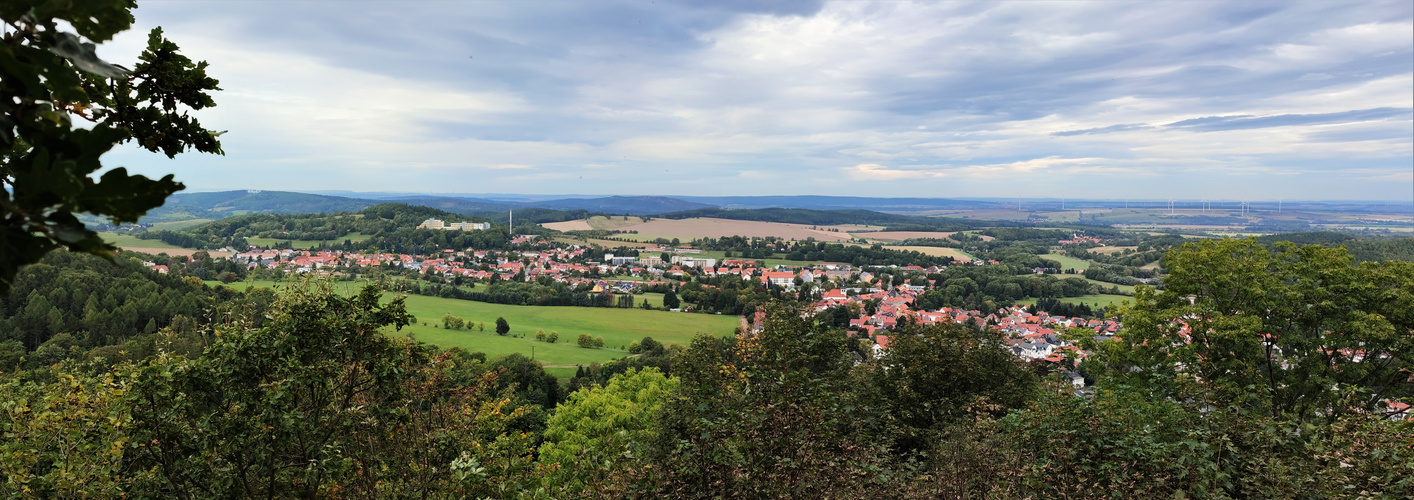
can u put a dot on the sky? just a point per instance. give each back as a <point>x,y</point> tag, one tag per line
<point>1113,99</point>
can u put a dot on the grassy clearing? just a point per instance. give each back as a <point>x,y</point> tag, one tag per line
<point>1101,300</point>
<point>619,327</point>
<point>1068,262</point>
<point>1124,289</point>
<point>129,241</point>
<point>179,225</point>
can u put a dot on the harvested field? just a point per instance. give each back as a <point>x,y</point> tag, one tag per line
<point>175,251</point>
<point>1178,226</point>
<point>904,235</point>
<point>569,225</point>
<point>613,222</point>
<point>687,229</point>
<point>601,242</point>
<point>956,254</point>
<point>1107,250</point>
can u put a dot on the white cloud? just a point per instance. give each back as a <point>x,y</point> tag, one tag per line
<point>912,92</point>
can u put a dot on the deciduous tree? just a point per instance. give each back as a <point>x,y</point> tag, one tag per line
<point>49,76</point>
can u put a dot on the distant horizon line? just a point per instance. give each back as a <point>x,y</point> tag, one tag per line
<point>1000,199</point>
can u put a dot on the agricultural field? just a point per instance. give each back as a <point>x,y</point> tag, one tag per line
<point>1068,262</point>
<point>956,254</point>
<point>570,240</point>
<point>132,244</point>
<point>902,235</point>
<point>689,229</point>
<point>179,225</point>
<point>1109,250</point>
<point>619,327</point>
<point>595,222</point>
<point>1124,289</point>
<point>1101,300</point>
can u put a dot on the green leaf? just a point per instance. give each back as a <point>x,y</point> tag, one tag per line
<point>82,55</point>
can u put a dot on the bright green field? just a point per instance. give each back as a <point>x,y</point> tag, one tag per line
<point>1068,262</point>
<point>179,225</point>
<point>619,327</point>
<point>1093,300</point>
<point>720,255</point>
<point>129,241</point>
<point>306,244</point>
<point>1127,289</point>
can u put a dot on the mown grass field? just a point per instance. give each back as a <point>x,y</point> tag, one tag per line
<point>179,225</point>
<point>619,327</point>
<point>1125,289</point>
<point>1102,300</point>
<point>1068,262</point>
<point>129,241</point>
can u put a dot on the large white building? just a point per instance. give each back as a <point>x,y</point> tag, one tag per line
<point>454,226</point>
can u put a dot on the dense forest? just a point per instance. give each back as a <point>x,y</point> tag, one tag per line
<point>77,306</point>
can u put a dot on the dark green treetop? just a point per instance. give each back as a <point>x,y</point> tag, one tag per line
<point>47,165</point>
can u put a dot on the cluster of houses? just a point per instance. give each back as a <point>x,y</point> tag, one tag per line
<point>1079,239</point>
<point>1033,337</point>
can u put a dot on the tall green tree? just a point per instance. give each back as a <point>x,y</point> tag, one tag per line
<point>598,432</point>
<point>322,402</point>
<point>49,76</point>
<point>1298,333</point>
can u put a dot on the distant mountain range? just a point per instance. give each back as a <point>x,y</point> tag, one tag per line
<point>184,206</point>
<point>542,208</point>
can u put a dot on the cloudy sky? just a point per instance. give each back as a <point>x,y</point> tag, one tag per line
<point>1183,99</point>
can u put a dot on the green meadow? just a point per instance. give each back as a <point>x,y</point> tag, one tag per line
<point>179,224</point>
<point>1123,289</point>
<point>619,327</point>
<point>1068,262</point>
<point>1103,300</point>
<point>129,241</point>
